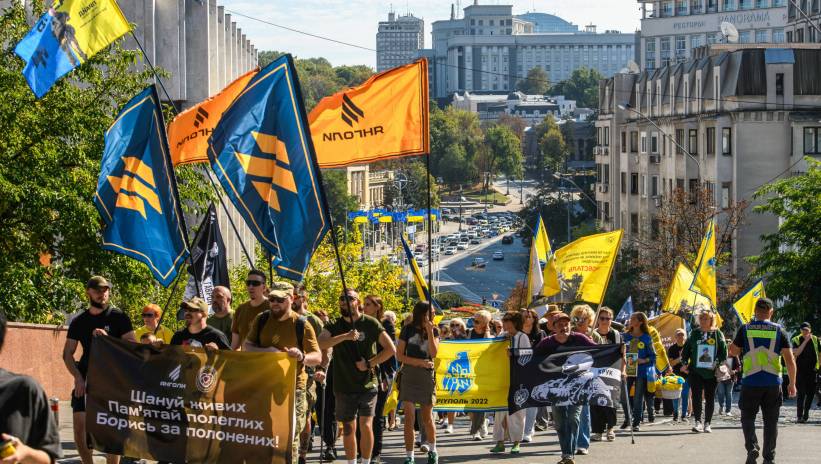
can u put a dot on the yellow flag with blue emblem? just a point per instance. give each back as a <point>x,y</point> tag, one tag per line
<point>137,192</point>
<point>65,36</point>
<point>262,155</point>
<point>680,299</point>
<point>472,375</point>
<point>744,307</point>
<point>704,277</point>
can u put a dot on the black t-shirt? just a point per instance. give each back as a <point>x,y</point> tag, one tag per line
<point>674,352</point>
<point>25,414</point>
<point>472,335</point>
<point>205,336</point>
<point>347,378</point>
<point>112,320</point>
<point>416,341</point>
<point>807,359</point>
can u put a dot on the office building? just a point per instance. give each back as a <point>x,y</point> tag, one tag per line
<point>803,21</point>
<point>731,118</point>
<point>368,186</point>
<point>489,106</point>
<point>398,41</point>
<point>672,29</point>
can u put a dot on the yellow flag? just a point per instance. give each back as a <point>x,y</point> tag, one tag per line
<point>680,299</point>
<point>472,375</point>
<point>539,253</point>
<point>745,306</point>
<point>386,117</point>
<point>94,25</point>
<point>188,133</point>
<point>542,242</point>
<point>580,270</point>
<point>705,275</point>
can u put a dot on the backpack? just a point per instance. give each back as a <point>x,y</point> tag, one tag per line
<point>300,327</point>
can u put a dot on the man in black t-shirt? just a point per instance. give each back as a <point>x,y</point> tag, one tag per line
<point>100,319</point>
<point>197,332</point>
<point>25,417</point>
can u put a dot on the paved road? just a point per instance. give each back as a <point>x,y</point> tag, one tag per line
<point>498,277</point>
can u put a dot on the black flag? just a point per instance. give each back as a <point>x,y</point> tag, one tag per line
<point>208,261</point>
<point>572,375</point>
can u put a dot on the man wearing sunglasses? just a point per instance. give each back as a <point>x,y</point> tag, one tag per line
<point>248,311</point>
<point>197,333</point>
<point>151,320</point>
<point>762,344</point>
<point>283,330</point>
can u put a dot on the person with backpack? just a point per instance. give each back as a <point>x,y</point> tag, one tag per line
<point>281,329</point>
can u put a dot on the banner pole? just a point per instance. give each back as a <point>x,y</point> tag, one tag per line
<point>430,230</point>
<point>156,76</point>
<point>629,410</point>
<point>167,302</point>
<point>230,220</point>
<point>322,421</point>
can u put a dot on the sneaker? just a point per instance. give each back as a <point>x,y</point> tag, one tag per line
<point>624,425</point>
<point>515,449</point>
<point>477,436</point>
<point>499,448</point>
<point>636,428</point>
<point>567,460</point>
<point>611,435</point>
<point>424,447</point>
<point>539,427</point>
<point>527,438</point>
<point>752,457</point>
<point>449,429</point>
<point>408,460</point>
<point>433,457</point>
<point>595,437</point>
<point>582,451</point>
<point>484,428</point>
<point>698,428</point>
<point>675,417</point>
<point>707,428</point>
<point>327,456</point>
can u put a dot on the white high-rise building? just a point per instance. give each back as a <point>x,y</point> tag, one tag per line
<point>398,41</point>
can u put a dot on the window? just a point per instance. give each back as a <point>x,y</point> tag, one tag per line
<point>762,36</point>
<point>607,136</point>
<point>624,142</point>
<point>654,186</point>
<point>623,182</point>
<point>726,197</point>
<point>779,84</point>
<point>634,183</point>
<point>679,141</point>
<point>692,146</point>
<point>643,185</point>
<point>681,46</point>
<point>665,51</point>
<point>606,171</point>
<point>695,41</point>
<point>643,142</point>
<point>654,143</point>
<point>812,140</point>
<point>634,223</point>
<point>730,5</point>
<point>681,7</point>
<point>606,211</point>
<point>727,141</point>
<point>712,38</point>
<point>745,37</point>
<point>634,142</point>
<point>711,140</point>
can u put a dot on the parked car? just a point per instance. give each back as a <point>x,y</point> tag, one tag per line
<point>507,240</point>
<point>462,246</point>
<point>475,241</point>
<point>479,262</point>
<point>450,250</point>
<point>498,256</point>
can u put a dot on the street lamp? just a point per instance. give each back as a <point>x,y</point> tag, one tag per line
<point>698,163</point>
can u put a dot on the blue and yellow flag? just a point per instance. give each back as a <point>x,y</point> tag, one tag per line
<point>262,154</point>
<point>704,278</point>
<point>472,375</point>
<point>744,307</point>
<point>68,34</point>
<point>421,284</point>
<point>137,191</point>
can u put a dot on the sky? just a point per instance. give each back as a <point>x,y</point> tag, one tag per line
<point>356,21</point>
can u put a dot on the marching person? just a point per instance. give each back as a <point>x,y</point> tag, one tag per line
<point>100,319</point>
<point>373,307</point>
<point>354,338</point>
<point>222,319</point>
<point>151,315</point>
<point>702,353</point>
<point>761,345</point>
<point>248,311</point>
<point>281,329</point>
<point>26,421</point>
<point>805,348</point>
<point>725,375</point>
<point>315,374</point>
<point>641,363</point>
<point>480,330</point>
<point>512,324</point>
<point>565,417</point>
<point>196,332</point>
<point>581,320</point>
<point>458,331</point>
<point>416,349</point>
<point>674,355</point>
<point>603,418</point>
<point>530,326</point>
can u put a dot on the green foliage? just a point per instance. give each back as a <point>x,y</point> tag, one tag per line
<point>449,300</point>
<point>415,193</point>
<point>791,256</point>
<point>552,146</point>
<point>335,182</point>
<point>504,151</point>
<point>50,151</point>
<point>536,82</point>
<point>582,86</point>
<point>456,140</point>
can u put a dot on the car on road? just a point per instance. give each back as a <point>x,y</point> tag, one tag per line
<point>479,262</point>
<point>462,246</point>
<point>475,241</point>
<point>450,250</point>
<point>498,256</point>
<point>507,240</point>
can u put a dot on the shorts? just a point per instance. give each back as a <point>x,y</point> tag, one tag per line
<point>78,404</point>
<point>349,405</point>
<point>310,395</point>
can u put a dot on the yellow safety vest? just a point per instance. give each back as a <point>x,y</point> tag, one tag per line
<point>762,358</point>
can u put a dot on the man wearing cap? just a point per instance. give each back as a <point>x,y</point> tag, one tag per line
<point>281,329</point>
<point>805,348</point>
<point>248,311</point>
<point>566,417</point>
<point>196,332</point>
<point>100,319</point>
<point>762,344</point>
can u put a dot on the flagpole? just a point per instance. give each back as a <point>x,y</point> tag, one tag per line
<point>430,231</point>
<point>230,220</point>
<point>154,71</point>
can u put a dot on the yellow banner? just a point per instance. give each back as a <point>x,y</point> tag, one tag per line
<point>580,270</point>
<point>386,117</point>
<point>94,24</point>
<point>745,306</point>
<point>472,375</point>
<point>680,299</point>
<point>665,326</point>
<point>705,275</point>
<point>188,133</point>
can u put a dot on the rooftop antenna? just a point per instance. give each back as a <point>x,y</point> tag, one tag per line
<point>729,31</point>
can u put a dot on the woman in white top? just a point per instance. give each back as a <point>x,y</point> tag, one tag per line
<point>512,324</point>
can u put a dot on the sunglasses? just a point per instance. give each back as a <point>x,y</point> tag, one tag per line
<point>191,310</point>
<point>277,299</point>
<point>149,316</point>
<point>605,318</point>
<point>253,283</point>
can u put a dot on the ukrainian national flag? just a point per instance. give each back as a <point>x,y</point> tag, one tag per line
<point>68,34</point>
<point>137,192</point>
<point>421,285</point>
<point>262,154</point>
<point>745,306</point>
<point>704,278</point>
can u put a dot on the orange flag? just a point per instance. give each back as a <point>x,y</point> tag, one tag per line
<point>386,117</point>
<point>188,133</point>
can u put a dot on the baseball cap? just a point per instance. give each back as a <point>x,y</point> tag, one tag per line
<point>98,282</point>
<point>805,325</point>
<point>765,302</point>
<point>195,303</point>
<point>281,290</point>
<point>559,316</point>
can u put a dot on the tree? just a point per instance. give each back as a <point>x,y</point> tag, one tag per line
<point>504,151</point>
<point>552,146</point>
<point>582,86</point>
<point>456,142</point>
<point>791,256</point>
<point>536,82</point>
<point>50,152</point>
<point>340,202</point>
<point>515,123</point>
